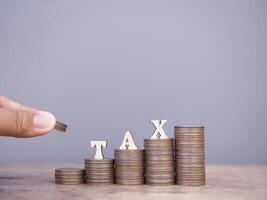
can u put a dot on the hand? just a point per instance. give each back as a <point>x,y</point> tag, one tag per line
<point>17,120</point>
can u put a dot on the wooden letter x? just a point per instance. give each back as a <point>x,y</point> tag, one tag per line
<point>98,145</point>
<point>159,132</point>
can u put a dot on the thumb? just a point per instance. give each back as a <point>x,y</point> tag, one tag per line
<point>18,123</point>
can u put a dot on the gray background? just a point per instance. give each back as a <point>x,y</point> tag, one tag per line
<point>107,66</point>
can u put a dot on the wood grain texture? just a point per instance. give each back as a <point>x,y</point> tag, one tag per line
<point>223,182</point>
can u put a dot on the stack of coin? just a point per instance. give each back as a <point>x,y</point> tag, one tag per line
<point>159,164</point>
<point>99,172</point>
<point>69,176</point>
<point>190,155</point>
<point>129,166</point>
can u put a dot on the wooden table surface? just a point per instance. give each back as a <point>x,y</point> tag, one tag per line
<point>19,182</point>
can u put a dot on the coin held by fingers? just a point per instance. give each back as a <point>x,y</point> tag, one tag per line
<point>61,126</point>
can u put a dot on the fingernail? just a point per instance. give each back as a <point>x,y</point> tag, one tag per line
<point>43,120</point>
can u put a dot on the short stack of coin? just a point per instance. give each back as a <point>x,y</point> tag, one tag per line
<point>190,155</point>
<point>99,172</point>
<point>69,176</point>
<point>129,166</point>
<point>159,162</point>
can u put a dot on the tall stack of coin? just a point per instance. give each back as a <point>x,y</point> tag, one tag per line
<point>99,172</point>
<point>129,166</point>
<point>159,161</point>
<point>190,155</point>
<point>69,176</point>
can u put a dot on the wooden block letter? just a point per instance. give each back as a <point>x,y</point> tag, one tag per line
<point>128,142</point>
<point>99,145</point>
<point>159,133</point>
